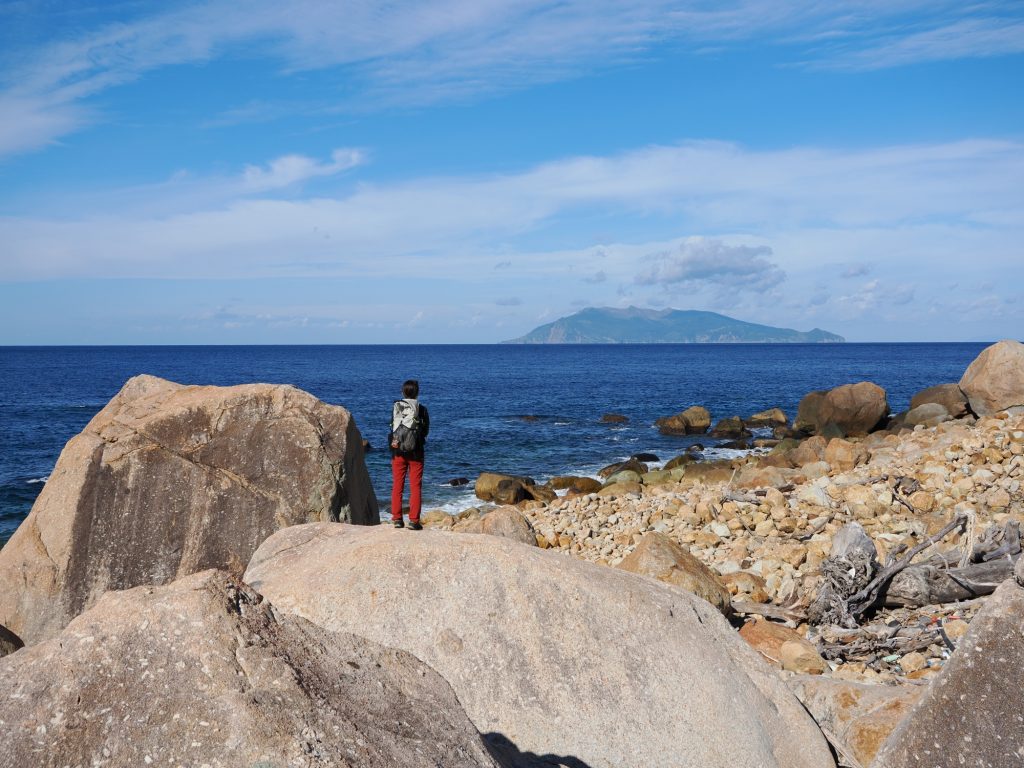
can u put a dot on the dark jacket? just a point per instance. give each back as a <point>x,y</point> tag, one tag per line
<point>424,419</point>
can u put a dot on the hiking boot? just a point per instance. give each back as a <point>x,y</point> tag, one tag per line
<point>398,523</point>
<point>415,525</point>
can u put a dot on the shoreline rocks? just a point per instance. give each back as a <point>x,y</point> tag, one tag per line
<point>847,410</point>
<point>695,420</point>
<point>168,480</point>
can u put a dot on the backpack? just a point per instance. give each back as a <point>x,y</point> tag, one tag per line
<point>405,439</point>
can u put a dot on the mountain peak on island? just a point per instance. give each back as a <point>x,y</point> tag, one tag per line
<point>633,325</point>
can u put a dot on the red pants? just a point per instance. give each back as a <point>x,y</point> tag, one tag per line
<point>399,466</point>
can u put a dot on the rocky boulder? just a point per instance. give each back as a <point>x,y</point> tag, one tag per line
<point>661,558</point>
<point>505,522</point>
<point>949,396</point>
<point>995,380</point>
<point>859,716</point>
<point>977,696</point>
<point>808,451</point>
<point>695,420</point>
<point>784,647</point>
<point>842,455</point>
<point>629,465</point>
<point>205,672</point>
<point>168,480</point>
<point>488,486</point>
<point>927,414</point>
<point>773,417</point>
<point>681,461</point>
<point>614,418</point>
<point>583,664</point>
<point>852,409</point>
<point>731,427</point>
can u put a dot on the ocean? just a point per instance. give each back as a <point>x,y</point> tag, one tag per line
<point>529,410</point>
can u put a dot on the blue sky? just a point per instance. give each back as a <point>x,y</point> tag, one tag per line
<point>464,170</point>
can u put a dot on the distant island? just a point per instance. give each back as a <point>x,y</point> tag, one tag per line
<point>605,325</point>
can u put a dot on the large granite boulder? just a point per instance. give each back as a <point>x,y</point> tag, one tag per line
<point>995,380</point>
<point>695,420</point>
<point>852,409</point>
<point>949,396</point>
<point>977,700</point>
<point>662,558</point>
<point>206,672</point>
<point>169,480</point>
<point>549,655</point>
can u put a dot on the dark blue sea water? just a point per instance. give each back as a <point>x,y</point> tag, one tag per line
<point>477,396</point>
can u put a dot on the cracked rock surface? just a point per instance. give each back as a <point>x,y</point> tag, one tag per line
<point>168,480</point>
<point>206,672</point>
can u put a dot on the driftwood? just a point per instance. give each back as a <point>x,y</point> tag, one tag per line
<point>929,583</point>
<point>991,561</point>
<point>844,572</point>
<point>865,599</point>
<point>852,584</point>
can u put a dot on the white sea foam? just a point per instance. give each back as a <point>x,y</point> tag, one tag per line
<point>36,480</point>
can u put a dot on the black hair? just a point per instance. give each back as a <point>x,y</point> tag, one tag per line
<point>411,388</point>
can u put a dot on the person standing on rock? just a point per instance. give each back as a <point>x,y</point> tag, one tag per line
<point>410,423</point>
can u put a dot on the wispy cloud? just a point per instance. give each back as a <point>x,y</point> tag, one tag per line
<point>293,169</point>
<point>412,52</point>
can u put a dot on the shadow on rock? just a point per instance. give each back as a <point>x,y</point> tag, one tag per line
<point>508,755</point>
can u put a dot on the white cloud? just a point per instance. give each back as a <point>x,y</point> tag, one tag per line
<point>424,52</point>
<point>701,261</point>
<point>964,38</point>
<point>812,206</point>
<point>293,169</point>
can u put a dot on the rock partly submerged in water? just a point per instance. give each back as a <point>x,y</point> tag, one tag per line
<point>731,427</point>
<point>205,672</point>
<point>995,380</point>
<point>587,665</point>
<point>168,480</point>
<point>773,417</point>
<point>695,420</point>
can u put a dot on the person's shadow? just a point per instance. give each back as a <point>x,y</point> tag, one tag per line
<point>508,755</point>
